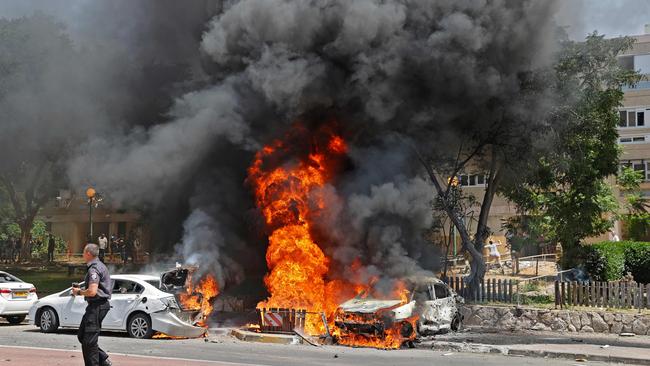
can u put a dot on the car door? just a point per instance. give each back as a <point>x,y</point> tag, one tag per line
<point>125,296</point>
<point>444,304</point>
<point>73,309</point>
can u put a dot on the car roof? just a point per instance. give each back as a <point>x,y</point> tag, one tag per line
<point>135,277</point>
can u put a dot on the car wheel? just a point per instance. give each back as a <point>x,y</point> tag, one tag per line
<point>456,323</point>
<point>139,326</point>
<point>48,321</point>
<point>15,319</point>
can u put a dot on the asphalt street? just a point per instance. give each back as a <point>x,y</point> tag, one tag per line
<point>25,345</point>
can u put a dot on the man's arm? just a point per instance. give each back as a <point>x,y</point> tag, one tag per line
<point>90,291</point>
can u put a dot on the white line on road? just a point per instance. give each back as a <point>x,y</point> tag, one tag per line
<point>141,356</point>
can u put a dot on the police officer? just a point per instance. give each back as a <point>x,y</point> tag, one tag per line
<point>97,294</point>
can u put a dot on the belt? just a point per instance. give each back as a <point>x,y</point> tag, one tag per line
<point>96,301</point>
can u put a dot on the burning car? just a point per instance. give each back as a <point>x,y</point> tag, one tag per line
<point>138,306</point>
<point>432,307</point>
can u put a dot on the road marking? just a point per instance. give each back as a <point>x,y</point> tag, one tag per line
<point>142,356</point>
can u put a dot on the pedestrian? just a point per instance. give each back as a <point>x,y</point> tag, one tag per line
<point>97,293</point>
<point>122,246</point>
<point>494,252</point>
<point>136,249</point>
<point>103,243</point>
<point>51,244</point>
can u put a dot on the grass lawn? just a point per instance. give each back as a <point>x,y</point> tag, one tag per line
<point>47,280</point>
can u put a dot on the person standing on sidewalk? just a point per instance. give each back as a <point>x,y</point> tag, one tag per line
<point>97,294</point>
<point>103,243</point>
<point>51,244</point>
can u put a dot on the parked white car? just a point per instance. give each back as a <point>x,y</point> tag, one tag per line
<point>16,298</point>
<point>138,306</point>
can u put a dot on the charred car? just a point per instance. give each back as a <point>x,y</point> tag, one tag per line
<point>431,307</point>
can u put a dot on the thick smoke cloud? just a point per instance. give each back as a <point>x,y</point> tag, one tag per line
<point>230,76</point>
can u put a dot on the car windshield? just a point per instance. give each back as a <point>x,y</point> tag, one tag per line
<point>6,277</point>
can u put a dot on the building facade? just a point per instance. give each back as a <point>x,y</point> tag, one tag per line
<point>68,217</point>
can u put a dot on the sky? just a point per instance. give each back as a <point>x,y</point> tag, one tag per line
<point>611,17</point>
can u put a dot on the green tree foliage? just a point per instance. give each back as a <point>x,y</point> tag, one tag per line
<point>567,180</point>
<point>610,261</point>
<point>636,219</point>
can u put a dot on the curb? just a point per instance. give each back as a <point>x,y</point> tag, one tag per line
<point>486,348</point>
<point>247,336</point>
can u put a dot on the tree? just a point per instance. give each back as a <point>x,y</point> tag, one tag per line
<point>637,218</point>
<point>37,89</point>
<point>567,180</point>
<point>496,151</point>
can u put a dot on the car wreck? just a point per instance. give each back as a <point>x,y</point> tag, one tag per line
<point>431,307</point>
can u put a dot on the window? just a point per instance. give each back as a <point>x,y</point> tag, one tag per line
<point>632,118</point>
<point>441,291</point>
<point>642,166</point>
<point>632,140</point>
<point>642,63</point>
<point>472,180</point>
<point>6,277</point>
<point>154,283</point>
<point>126,287</point>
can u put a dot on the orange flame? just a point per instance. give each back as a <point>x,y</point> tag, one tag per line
<point>287,195</point>
<point>201,297</point>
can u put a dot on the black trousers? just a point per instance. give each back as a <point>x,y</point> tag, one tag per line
<point>102,253</point>
<point>88,335</point>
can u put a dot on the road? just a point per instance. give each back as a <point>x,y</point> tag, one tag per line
<point>24,345</point>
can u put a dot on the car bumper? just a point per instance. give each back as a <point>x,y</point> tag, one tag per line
<point>169,324</point>
<point>16,307</point>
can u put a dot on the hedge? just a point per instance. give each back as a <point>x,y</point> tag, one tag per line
<point>609,261</point>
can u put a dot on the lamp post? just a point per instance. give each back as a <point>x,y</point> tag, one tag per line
<point>91,193</point>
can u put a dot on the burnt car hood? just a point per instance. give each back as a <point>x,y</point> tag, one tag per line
<point>368,305</point>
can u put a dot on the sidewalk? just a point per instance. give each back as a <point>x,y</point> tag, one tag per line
<point>27,356</point>
<point>577,346</point>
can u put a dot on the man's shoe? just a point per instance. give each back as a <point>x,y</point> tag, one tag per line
<point>107,362</point>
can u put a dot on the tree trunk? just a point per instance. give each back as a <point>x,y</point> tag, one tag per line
<point>25,254</point>
<point>477,266</point>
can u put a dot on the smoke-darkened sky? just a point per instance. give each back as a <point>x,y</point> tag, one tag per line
<point>611,17</point>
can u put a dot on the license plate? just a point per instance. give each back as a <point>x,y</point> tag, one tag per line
<point>20,294</point>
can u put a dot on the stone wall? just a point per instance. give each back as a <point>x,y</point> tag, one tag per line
<point>519,318</point>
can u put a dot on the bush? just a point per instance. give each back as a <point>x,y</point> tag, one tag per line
<point>609,261</point>
<point>637,261</point>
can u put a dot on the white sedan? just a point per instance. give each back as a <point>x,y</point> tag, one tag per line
<point>16,298</point>
<point>138,306</point>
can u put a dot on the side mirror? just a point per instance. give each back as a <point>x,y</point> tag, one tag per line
<point>144,300</point>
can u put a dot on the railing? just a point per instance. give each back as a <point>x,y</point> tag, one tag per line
<point>617,294</point>
<point>279,320</point>
<point>490,290</point>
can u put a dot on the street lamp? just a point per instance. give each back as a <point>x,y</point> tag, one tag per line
<point>91,193</point>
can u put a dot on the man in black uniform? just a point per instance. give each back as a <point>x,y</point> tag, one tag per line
<point>97,294</point>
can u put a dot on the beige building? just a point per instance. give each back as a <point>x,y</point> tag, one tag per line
<point>68,216</point>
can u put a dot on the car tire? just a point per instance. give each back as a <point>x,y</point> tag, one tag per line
<point>139,326</point>
<point>48,321</point>
<point>15,319</point>
<point>456,323</point>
